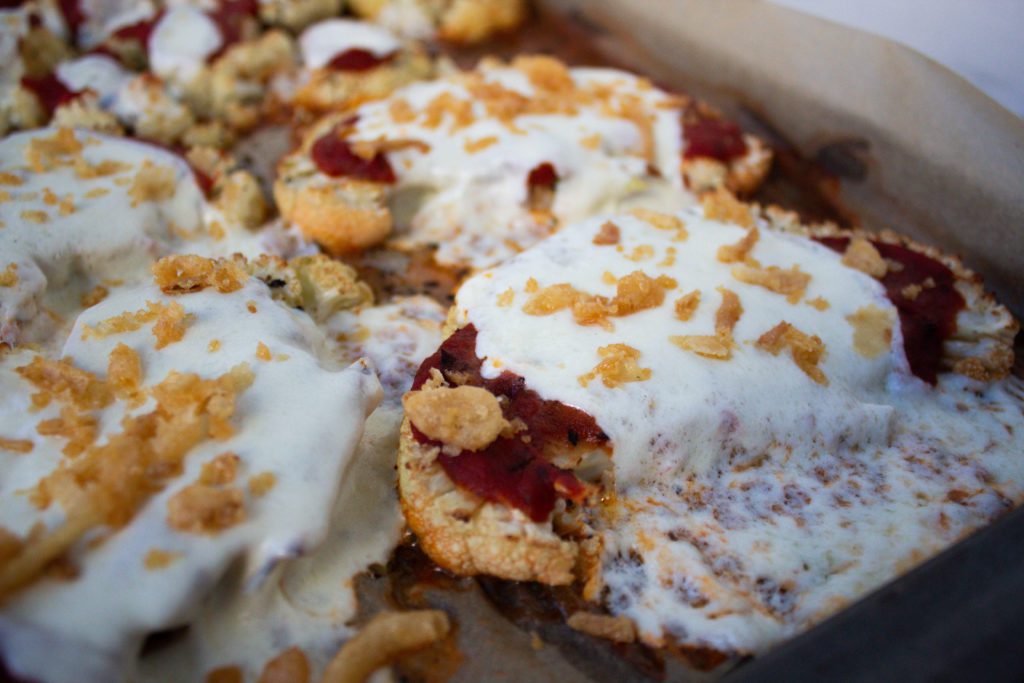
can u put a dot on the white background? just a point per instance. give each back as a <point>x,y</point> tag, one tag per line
<point>982,40</point>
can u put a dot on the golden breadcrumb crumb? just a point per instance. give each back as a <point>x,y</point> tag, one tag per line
<point>722,206</point>
<point>159,559</point>
<point>618,365</point>
<point>16,445</point>
<point>863,256</point>
<point>261,484</point>
<point>806,350</point>
<point>791,283</point>
<point>872,330</point>
<point>736,253</point>
<point>687,304</point>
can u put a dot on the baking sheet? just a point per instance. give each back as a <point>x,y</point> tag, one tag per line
<point>913,148</point>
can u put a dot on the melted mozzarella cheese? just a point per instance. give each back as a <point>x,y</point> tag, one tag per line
<point>396,337</point>
<point>311,601</point>
<point>321,42</point>
<point>102,74</point>
<point>466,189</point>
<point>752,501</point>
<point>300,421</point>
<point>101,234</point>
<point>182,41</point>
<point>692,410</point>
<point>103,17</point>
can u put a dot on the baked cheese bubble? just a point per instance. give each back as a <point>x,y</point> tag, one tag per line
<point>773,456</point>
<point>161,449</point>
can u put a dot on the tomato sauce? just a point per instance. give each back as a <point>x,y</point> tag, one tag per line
<point>512,470</point>
<point>334,156</point>
<point>357,60</point>
<point>231,17</point>
<point>927,319</point>
<point>715,138</point>
<point>50,92</point>
<point>544,175</point>
<point>141,31</point>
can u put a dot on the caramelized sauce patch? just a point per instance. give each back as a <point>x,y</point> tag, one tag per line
<point>512,470</point>
<point>928,317</point>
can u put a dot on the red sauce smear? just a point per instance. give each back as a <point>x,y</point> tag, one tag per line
<point>230,17</point>
<point>512,471</point>
<point>49,90</point>
<point>927,320</point>
<point>544,175</point>
<point>74,17</point>
<point>358,59</point>
<point>334,156</point>
<point>715,138</point>
<point>141,31</point>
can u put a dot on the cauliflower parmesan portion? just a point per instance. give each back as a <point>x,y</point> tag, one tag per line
<point>349,62</point>
<point>666,480</point>
<point>188,445</point>
<point>457,21</point>
<point>482,164</point>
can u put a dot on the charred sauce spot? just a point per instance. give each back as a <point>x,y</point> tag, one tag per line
<point>512,470</point>
<point>334,156</point>
<point>928,319</point>
<point>49,90</point>
<point>544,175</point>
<point>357,59</point>
<point>540,186</point>
<point>714,138</point>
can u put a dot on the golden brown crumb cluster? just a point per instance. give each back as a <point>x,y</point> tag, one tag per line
<point>170,323</point>
<point>663,221</point>
<point>106,484</point>
<point>738,253</point>
<point>872,330</point>
<point>806,350</point>
<point>722,206</point>
<point>618,365</point>
<point>790,283</point>
<point>184,273</point>
<point>468,418</point>
<point>634,292</point>
<point>717,346</point>
<point>863,256</point>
